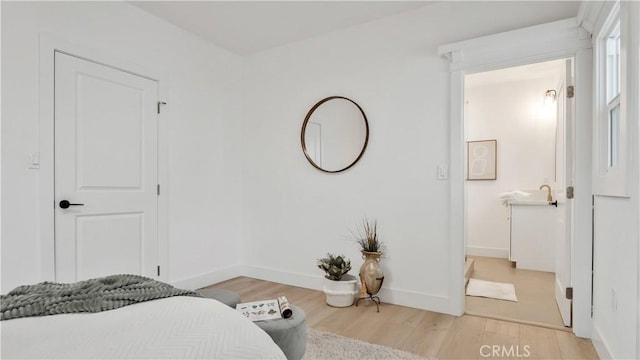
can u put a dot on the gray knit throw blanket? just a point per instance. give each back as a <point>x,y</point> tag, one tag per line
<point>94,295</point>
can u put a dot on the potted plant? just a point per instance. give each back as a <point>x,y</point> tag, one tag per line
<point>338,286</point>
<point>371,274</point>
<point>367,237</point>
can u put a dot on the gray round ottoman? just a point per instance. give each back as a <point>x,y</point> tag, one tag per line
<point>289,334</point>
<point>224,296</point>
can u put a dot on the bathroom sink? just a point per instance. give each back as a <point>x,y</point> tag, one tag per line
<point>528,201</point>
<point>536,197</point>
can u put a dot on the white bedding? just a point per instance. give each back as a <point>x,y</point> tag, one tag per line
<point>178,327</point>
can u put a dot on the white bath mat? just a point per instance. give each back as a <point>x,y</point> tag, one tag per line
<point>490,289</point>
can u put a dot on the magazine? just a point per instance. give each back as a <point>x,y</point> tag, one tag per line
<point>266,309</point>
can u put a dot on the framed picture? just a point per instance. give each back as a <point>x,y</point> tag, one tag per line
<point>481,160</point>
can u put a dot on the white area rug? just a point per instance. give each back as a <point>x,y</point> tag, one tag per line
<point>324,345</point>
<point>490,289</point>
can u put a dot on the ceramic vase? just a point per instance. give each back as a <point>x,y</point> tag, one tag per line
<point>371,272</point>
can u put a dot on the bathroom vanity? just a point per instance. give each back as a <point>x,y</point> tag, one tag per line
<point>532,234</point>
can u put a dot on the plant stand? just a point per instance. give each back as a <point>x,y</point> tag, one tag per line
<point>369,296</point>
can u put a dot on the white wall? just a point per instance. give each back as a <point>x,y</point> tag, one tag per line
<point>615,281</point>
<point>510,110</point>
<point>290,213</point>
<point>204,86</point>
<point>294,214</point>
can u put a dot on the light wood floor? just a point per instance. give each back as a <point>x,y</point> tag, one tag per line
<point>429,334</point>
<point>534,289</point>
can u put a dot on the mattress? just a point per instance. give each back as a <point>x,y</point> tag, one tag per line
<point>178,327</point>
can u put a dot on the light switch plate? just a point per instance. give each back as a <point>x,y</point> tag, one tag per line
<point>443,172</point>
<point>34,162</point>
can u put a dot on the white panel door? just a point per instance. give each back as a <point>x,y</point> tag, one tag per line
<point>106,131</point>
<point>564,217</point>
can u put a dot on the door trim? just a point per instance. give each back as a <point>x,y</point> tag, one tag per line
<point>545,42</point>
<point>46,198</point>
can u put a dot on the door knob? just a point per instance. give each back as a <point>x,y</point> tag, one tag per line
<point>65,204</point>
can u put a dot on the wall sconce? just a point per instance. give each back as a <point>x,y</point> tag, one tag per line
<point>550,96</point>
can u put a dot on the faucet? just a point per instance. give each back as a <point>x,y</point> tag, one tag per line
<point>549,197</point>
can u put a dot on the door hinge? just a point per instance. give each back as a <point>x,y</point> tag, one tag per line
<point>570,91</point>
<point>158,270</point>
<point>569,293</point>
<point>570,192</point>
<point>158,189</point>
<point>160,103</point>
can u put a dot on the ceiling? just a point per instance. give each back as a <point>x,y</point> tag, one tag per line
<point>247,27</point>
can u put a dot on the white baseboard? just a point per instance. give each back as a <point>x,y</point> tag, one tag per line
<point>283,277</point>
<point>412,299</point>
<point>600,344</point>
<point>408,298</point>
<point>206,279</point>
<point>417,300</point>
<point>488,252</point>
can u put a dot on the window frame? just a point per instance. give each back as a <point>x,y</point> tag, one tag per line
<point>611,138</point>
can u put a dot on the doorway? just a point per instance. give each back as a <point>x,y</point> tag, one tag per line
<point>517,219</point>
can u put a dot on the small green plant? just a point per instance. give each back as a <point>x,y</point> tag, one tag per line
<point>367,236</point>
<point>334,266</point>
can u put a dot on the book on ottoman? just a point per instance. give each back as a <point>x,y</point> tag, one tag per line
<point>266,309</point>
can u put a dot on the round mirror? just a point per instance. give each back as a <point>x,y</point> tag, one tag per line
<point>335,133</point>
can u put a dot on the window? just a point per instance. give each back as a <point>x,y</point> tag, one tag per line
<point>612,138</point>
<point>612,80</point>
<point>613,62</point>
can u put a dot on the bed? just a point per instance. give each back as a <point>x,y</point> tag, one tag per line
<point>177,327</point>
